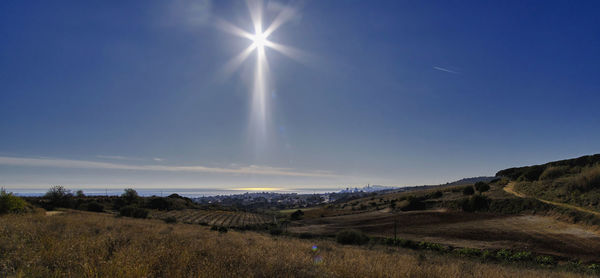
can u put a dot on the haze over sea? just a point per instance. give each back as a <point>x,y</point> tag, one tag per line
<point>186,192</point>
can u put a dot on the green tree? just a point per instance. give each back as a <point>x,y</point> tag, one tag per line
<point>79,194</point>
<point>130,195</point>
<point>11,203</point>
<point>59,196</point>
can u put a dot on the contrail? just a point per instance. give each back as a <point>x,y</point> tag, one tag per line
<point>446,70</point>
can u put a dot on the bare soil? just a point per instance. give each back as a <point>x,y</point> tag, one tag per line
<point>540,234</point>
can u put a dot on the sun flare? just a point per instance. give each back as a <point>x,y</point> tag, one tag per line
<point>259,117</point>
<point>259,39</point>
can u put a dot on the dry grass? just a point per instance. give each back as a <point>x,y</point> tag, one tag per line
<point>79,244</point>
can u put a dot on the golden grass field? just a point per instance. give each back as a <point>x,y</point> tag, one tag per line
<point>83,244</point>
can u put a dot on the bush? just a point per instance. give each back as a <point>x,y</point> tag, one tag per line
<point>521,256</point>
<point>135,212</point>
<point>437,194</point>
<point>275,231</point>
<point>545,260</point>
<point>532,173</point>
<point>413,204</point>
<point>59,196</point>
<point>482,186</point>
<point>170,219</point>
<point>306,235</point>
<point>554,172</point>
<point>222,229</point>
<point>158,203</point>
<point>468,190</point>
<point>297,215</point>
<point>588,179</point>
<point>130,196</point>
<point>352,237</point>
<point>468,252</point>
<point>95,207</point>
<point>79,194</point>
<point>475,203</point>
<point>10,203</point>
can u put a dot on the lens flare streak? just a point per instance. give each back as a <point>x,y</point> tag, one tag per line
<point>259,42</point>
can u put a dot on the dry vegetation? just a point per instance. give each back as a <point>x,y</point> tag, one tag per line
<point>81,244</point>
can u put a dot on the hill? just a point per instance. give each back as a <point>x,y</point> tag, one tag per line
<point>571,181</point>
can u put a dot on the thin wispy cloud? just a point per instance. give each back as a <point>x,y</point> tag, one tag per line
<point>446,70</point>
<point>118,157</point>
<point>86,164</point>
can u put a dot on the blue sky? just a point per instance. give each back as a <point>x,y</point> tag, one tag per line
<point>128,93</point>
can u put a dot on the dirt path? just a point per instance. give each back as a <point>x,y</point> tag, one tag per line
<point>54,212</point>
<point>510,188</point>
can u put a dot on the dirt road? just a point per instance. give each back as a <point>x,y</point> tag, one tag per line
<point>510,188</point>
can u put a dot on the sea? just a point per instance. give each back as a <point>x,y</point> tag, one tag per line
<point>186,192</point>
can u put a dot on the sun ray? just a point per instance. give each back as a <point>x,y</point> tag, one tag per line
<point>259,118</point>
<point>255,9</point>
<point>286,14</point>
<point>232,65</point>
<point>232,29</point>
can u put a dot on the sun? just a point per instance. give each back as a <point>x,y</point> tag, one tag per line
<point>261,88</point>
<point>259,40</point>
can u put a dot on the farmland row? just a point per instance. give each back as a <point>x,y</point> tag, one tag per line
<point>213,217</point>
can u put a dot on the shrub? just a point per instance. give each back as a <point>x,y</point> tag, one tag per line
<point>59,196</point>
<point>554,172</point>
<point>130,195</point>
<point>170,219</point>
<point>475,203</point>
<point>468,190</point>
<point>588,179</point>
<point>222,229</point>
<point>95,207</point>
<point>431,246</point>
<point>545,260</point>
<point>503,254</point>
<point>482,186</point>
<point>158,203</point>
<point>79,194</point>
<point>413,204</point>
<point>297,215</point>
<point>306,235</point>
<point>276,231</point>
<point>521,256</point>
<point>352,237</point>
<point>437,194</point>
<point>131,211</point>
<point>532,173</point>
<point>594,268</point>
<point>468,252</point>
<point>10,203</point>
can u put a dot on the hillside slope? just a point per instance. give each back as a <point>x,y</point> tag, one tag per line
<point>572,181</point>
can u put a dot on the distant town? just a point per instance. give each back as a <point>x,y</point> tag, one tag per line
<point>264,200</point>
